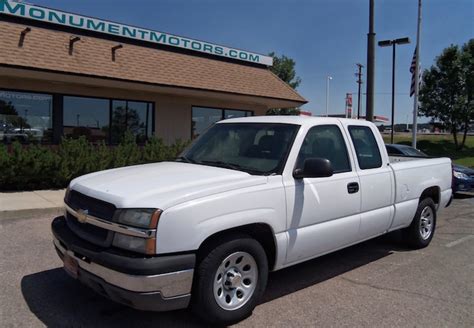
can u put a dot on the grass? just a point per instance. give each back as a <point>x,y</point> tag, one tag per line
<point>439,146</point>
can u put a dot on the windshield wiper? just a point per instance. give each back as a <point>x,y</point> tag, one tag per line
<point>185,159</point>
<point>231,166</point>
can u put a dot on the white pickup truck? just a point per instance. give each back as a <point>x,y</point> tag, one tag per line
<point>249,196</point>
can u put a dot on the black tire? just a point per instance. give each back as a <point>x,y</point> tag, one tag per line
<point>204,302</point>
<point>413,235</point>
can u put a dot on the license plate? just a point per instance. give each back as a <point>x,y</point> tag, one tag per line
<point>70,265</point>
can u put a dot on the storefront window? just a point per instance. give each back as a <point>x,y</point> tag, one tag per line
<point>236,113</point>
<point>25,117</point>
<point>132,116</point>
<point>93,118</point>
<point>87,117</point>
<point>204,117</point>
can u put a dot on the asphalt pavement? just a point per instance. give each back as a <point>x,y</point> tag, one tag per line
<point>377,283</point>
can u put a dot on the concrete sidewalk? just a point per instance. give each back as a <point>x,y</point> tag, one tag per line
<point>31,203</point>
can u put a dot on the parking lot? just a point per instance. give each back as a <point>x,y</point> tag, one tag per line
<point>377,283</point>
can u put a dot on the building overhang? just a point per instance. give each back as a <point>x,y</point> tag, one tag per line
<point>11,76</point>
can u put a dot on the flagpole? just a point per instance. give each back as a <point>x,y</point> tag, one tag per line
<point>417,76</point>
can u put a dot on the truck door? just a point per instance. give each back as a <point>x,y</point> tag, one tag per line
<point>323,213</point>
<point>376,181</point>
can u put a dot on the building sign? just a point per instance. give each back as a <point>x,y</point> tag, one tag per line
<point>42,14</point>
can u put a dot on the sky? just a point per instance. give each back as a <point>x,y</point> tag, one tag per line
<point>324,37</point>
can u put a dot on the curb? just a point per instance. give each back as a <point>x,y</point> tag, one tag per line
<point>30,213</point>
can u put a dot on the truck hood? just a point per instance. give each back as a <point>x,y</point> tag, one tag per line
<point>161,185</point>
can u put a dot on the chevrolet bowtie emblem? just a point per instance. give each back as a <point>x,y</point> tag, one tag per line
<point>82,215</point>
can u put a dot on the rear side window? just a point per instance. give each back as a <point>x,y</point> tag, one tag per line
<point>366,147</point>
<point>325,141</point>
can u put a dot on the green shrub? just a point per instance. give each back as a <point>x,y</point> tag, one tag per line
<point>127,152</point>
<point>42,167</point>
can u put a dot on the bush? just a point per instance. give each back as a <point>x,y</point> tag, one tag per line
<point>41,167</point>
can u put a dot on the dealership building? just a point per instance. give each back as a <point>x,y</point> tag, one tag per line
<point>63,74</point>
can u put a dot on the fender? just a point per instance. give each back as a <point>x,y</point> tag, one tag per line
<point>184,227</point>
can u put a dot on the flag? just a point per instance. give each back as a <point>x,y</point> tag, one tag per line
<point>412,71</point>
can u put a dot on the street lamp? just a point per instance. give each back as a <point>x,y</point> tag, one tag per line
<point>393,43</point>
<point>327,94</point>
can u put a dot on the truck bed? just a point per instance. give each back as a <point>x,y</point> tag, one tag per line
<point>413,175</point>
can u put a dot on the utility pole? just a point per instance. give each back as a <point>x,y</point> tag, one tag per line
<point>417,76</point>
<point>359,82</point>
<point>327,94</point>
<point>370,65</point>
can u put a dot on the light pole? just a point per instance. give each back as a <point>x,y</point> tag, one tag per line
<point>327,94</point>
<point>393,43</point>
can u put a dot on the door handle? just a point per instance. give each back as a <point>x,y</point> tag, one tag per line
<point>352,187</point>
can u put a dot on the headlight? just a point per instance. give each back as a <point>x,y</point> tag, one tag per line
<point>138,217</point>
<point>461,175</point>
<point>66,194</point>
<point>66,199</point>
<point>135,244</point>
<point>143,218</point>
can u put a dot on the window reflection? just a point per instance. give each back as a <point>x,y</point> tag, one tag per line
<point>87,117</point>
<point>25,117</point>
<point>131,116</point>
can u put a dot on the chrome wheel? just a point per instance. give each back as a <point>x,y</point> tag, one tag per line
<point>235,281</point>
<point>426,222</point>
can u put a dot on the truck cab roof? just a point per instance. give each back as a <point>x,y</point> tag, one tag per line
<point>298,120</point>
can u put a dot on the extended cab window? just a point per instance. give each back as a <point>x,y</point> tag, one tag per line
<point>325,141</point>
<point>366,147</point>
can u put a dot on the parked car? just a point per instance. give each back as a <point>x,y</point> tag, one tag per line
<point>463,177</point>
<point>249,196</point>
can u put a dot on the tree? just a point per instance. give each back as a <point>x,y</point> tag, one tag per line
<point>127,119</point>
<point>448,88</point>
<point>9,116</point>
<point>284,68</point>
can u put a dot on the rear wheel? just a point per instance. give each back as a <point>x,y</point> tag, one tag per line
<point>230,281</point>
<point>420,233</point>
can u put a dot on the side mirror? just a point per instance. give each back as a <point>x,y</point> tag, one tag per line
<point>314,168</point>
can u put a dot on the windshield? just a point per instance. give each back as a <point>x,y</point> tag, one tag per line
<point>255,148</point>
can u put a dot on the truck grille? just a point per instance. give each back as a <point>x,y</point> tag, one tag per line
<point>89,232</point>
<point>98,208</point>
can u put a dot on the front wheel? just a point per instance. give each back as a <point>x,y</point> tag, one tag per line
<point>230,281</point>
<point>420,233</point>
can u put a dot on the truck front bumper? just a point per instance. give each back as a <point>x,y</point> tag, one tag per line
<point>151,284</point>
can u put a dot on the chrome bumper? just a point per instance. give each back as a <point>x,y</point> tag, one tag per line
<point>166,291</point>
